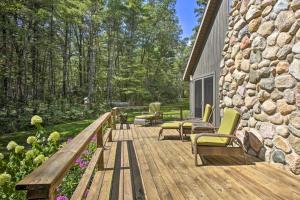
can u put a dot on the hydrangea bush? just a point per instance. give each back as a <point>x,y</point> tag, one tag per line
<point>20,161</point>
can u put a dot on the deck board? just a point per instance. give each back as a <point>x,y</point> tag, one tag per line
<point>141,167</point>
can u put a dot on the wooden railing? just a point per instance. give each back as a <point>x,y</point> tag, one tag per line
<point>145,108</point>
<point>43,181</point>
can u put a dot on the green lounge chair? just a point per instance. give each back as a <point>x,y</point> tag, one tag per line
<point>185,127</point>
<point>154,113</point>
<point>224,142</point>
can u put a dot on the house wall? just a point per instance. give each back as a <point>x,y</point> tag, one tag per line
<point>260,76</point>
<point>209,61</point>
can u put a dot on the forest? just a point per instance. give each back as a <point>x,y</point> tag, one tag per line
<point>69,59</point>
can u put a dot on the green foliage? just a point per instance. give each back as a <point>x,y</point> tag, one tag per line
<point>20,162</point>
<point>56,53</point>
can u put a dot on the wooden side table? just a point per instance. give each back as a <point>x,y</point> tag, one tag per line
<point>200,127</point>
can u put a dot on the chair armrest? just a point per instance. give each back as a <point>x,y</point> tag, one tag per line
<point>232,137</point>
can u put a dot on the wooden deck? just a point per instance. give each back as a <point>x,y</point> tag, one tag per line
<point>138,166</point>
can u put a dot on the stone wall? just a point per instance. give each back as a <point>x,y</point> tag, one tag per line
<point>260,76</point>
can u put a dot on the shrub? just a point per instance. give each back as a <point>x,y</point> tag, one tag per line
<point>20,161</point>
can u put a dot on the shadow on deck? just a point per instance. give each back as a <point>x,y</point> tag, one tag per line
<point>138,166</point>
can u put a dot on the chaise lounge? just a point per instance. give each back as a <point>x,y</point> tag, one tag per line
<point>222,143</point>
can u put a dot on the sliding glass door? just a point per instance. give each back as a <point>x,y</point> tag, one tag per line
<point>204,94</point>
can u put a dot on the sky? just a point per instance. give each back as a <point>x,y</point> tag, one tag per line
<point>186,15</point>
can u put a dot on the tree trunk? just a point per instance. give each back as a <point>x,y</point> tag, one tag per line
<point>65,61</point>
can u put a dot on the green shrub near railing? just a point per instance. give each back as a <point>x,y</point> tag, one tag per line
<point>20,161</point>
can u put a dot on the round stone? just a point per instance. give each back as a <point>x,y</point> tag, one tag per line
<point>269,107</point>
<point>293,161</point>
<point>285,108</point>
<point>275,95</point>
<point>296,48</point>
<point>295,143</point>
<point>259,43</point>
<point>278,156</point>
<point>227,101</point>
<point>245,65</point>
<point>264,63</point>
<point>289,96</point>
<point>282,144</point>
<point>267,84</point>
<point>285,20</point>
<point>245,42</point>
<point>254,24</point>
<point>270,53</point>
<point>271,40</point>
<point>252,122</point>
<point>283,38</point>
<point>282,131</point>
<point>252,13</point>
<point>284,81</point>
<point>237,100</point>
<point>294,119</point>
<point>284,51</point>
<point>282,67</point>
<point>266,11</point>
<point>295,5</point>
<point>250,101</point>
<point>280,6</point>
<point>277,119</point>
<point>266,28</point>
<point>267,130</point>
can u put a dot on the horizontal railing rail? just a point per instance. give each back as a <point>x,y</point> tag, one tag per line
<point>180,109</point>
<point>43,181</point>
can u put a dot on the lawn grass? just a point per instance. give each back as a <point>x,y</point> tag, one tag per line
<point>66,130</point>
<point>71,129</point>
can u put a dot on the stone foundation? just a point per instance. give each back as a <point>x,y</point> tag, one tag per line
<point>260,76</point>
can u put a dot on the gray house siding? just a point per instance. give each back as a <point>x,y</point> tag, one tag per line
<point>209,61</point>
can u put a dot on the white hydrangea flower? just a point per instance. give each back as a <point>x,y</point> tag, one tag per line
<point>54,136</point>
<point>11,145</point>
<point>36,120</point>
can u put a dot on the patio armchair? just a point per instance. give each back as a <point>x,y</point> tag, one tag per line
<point>223,142</point>
<point>154,113</point>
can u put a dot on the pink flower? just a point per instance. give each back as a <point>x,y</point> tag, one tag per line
<point>82,163</point>
<point>62,198</point>
<point>94,138</point>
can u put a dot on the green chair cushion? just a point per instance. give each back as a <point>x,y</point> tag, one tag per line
<point>207,113</point>
<point>229,121</point>
<point>187,125</point>
<point>171,125</point>
<point>209,141</point>
<point>148,116</point>
<point>154,107</point>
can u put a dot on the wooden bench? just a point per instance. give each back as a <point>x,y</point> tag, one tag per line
<point>43,181</point>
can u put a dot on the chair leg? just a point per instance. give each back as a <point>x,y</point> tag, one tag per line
<point>181,133</point>
<point>245,157</point>
<point>160,133</point>
<point>196,159</point>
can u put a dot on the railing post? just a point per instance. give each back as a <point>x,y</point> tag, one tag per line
<point>181,114</point>
<point>114,114</point>
<point>100,145</point>
<point>110,124</point>
<point>41,193</point>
